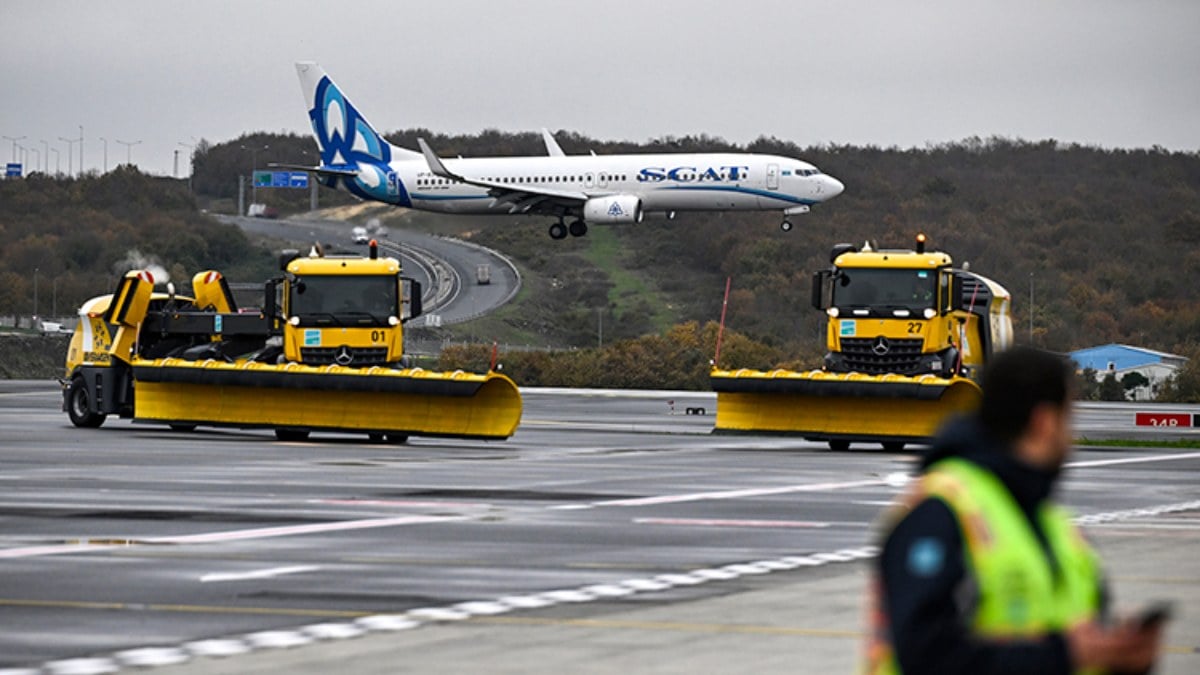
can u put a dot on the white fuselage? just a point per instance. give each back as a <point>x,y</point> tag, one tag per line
<point>664,183</point>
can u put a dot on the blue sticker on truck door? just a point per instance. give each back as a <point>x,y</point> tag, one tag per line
<point>312,337</point>
<point>846,328</point>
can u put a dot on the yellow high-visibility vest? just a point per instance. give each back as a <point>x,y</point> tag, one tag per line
<point>1018,595</point>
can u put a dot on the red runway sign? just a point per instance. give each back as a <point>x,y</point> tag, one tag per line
<point>1161,419</point>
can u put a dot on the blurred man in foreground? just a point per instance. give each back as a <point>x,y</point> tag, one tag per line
<point>980,572</point>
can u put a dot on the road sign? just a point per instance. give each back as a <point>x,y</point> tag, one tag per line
<point>12,170</point>
<point>280,179</point>
<point>1163,419</point>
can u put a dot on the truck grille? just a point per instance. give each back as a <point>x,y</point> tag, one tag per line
<point>901,355</point>
<point>344,356</point>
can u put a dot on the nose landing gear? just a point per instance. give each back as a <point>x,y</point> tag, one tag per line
<point>786,226</point>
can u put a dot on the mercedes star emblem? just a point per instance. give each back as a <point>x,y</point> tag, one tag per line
<point>344,356</point>
<point>880,346</point>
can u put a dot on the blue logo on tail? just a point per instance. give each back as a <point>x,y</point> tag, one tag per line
<point>347,141</point>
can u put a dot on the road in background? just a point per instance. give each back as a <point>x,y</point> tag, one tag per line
<point>448,263</point>
<point>609,528</point>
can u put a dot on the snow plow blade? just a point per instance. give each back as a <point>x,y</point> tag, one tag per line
<point>408,402</point>
<point>826,406</point>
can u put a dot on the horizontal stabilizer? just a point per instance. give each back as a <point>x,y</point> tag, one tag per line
<point>319,170</point>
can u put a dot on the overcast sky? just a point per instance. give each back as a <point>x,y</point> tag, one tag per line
<point>1113,73</point>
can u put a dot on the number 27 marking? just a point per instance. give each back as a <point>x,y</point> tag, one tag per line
<point>914,327</point>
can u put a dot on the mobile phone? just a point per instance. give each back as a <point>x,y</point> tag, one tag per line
<point>1153,614</point>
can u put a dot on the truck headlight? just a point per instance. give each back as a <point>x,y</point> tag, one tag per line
<point>295,320</point>
<point>393,321</point>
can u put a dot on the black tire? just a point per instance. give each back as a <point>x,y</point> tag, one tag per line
<point>893,446</point>
<point>558,231</point>
<point>578,228</point>
<point>376,438</point>
<point>79,405</point>
<point>839,446</point>
<point>292,435</point>
<point>397,439</point>
<point>183,427</point>
<point>786,226</point>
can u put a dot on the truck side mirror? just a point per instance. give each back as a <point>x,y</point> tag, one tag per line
<point>414,297</point>
<point>270,307</point>
<point>822,290</point>
<point>957,303</point>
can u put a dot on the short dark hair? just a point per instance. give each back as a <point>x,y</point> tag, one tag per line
<point>1015,382</point>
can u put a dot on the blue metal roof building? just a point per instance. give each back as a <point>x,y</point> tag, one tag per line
<point>1123,357</point>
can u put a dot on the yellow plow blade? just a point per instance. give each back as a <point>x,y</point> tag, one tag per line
<point>411,402</point>
<point>839,406</point>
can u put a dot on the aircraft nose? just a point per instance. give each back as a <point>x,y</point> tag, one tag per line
<point>833,186</point>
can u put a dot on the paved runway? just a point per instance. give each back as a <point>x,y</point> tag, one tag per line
<point>133,536</point>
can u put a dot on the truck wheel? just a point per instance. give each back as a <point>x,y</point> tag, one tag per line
<point>397,439</point>
<point>893,446</point>
<point>839,446</point>
<point>79,405</point>
<point>294,435</point>
<point>376,438</point>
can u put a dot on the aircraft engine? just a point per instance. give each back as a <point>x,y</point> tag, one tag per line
<point>613,209</point>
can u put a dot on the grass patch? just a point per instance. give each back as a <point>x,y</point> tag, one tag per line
<point>1139,443</point>
<point>605,252</point>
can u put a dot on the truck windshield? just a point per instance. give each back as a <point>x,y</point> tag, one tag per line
<point>885,290</point>
<point>344,300</point>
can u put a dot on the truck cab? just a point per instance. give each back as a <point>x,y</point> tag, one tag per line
<point>347,311</point>
<point>908,312</point>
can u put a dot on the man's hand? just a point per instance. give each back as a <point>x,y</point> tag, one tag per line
<point>1125,647</point>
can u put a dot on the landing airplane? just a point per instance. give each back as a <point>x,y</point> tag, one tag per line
<point>585,189</point>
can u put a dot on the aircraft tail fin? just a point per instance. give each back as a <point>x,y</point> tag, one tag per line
<point>344,136</point>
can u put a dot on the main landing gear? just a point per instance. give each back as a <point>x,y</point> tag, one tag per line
<point>559,230</point>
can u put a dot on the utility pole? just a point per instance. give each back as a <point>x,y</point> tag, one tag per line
<point>45,157</point>
<point>80,149</point>
<point>105,142</point>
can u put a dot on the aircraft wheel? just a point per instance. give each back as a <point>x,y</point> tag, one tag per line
<point>578,228</point>
<point>786,226</point>
<point>79,406</point>
<point>294,435</point>
<point>558,231</point>
<point>839,446</point>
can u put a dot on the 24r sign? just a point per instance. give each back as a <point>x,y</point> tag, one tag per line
<point>1163,419</point>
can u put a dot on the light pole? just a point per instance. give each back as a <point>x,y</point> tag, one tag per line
<point>70,152</point>
<point>14,140</point>
<point>191,161</point>
<point>128,149</point>
<point>105,142</point>
<point>45,156</point>
<point>80,149</point>
<point>37,157</point>
<point>254,167</point>
<point>57,162</point>
<point>1031,308</point>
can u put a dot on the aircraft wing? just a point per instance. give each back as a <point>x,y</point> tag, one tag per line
<point>336,171</point>
<point>523,198</point>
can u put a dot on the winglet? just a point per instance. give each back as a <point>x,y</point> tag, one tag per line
<point>435,162</point>
<point>552,147</point>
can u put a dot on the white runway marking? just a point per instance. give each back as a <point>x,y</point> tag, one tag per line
<point>257,574</point>
<point>1132,460</point>
<point>290,530</point>
<point>738,494</point>
<point>717,522</point>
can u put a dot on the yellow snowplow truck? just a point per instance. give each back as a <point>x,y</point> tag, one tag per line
<point>906,336</point>
<point>323,353</point>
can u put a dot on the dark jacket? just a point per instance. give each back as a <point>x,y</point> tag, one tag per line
<point>927,593</point>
